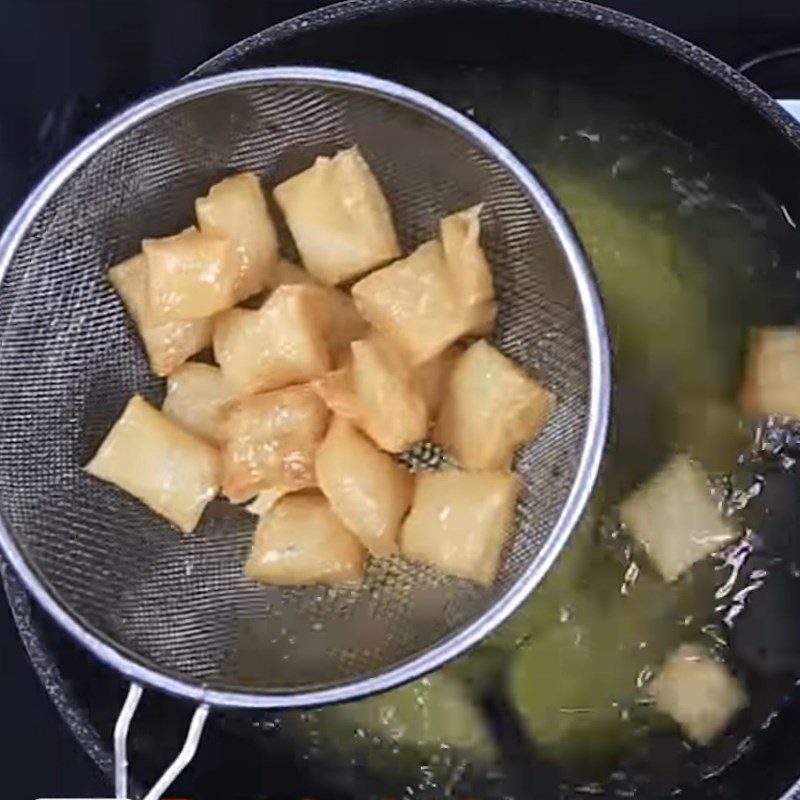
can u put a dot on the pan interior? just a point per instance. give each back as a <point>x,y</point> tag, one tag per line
<point>691,232</point>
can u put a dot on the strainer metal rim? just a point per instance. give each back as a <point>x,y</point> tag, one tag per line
<point>599,360</point>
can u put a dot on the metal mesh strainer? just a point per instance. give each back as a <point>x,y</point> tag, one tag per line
<point>175,612</point>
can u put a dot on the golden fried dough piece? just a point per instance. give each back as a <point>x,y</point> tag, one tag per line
<point>339,319</point>
<point>391,409</point>
<point>675,518</point>
<point>196,395</point>
<point>338,217</point>
<point>279,344</point>
<point>698,692</point>
<point>235,209</point>
<point>301,541</point>
<point>270,440</point>
<point>189,276</point>
<point>771,384</point>
<point>366,488</point>
<point>169,469</point>
<point>167,345</point>
<point>459,522</point>
<point>413,303</point>
<point>490,408</point>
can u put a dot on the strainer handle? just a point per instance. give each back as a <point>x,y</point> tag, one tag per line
<point>182,760</point>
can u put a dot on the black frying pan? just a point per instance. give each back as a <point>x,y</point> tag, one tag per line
<point>498,60</point>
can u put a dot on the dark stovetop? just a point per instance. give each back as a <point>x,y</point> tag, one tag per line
<point>65,65</point>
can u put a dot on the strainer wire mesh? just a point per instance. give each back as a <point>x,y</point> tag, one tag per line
<point>176,611</point>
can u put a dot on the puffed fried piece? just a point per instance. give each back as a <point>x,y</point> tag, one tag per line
<point>167,345</point>
<point>339,318</point>
<point>771,384</point>
<point>414,304</point>
<point>196,395</point>
<point>366,488</point>
<point>301,541</point>
<point>675,518</point>
<point>271,440</point>
<point>189,276</point>
<point>277,345</point>
<point>391,409</point>
<point>339,218</point>
<point>460,521</point>
<point>172,471</point>
<point>698,692</point>
<point>235,209</point>
<point>490,408</point>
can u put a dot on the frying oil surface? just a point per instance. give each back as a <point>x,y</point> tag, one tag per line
<point>687,259</point>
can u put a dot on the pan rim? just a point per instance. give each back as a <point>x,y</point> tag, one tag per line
<point>621,22</point>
